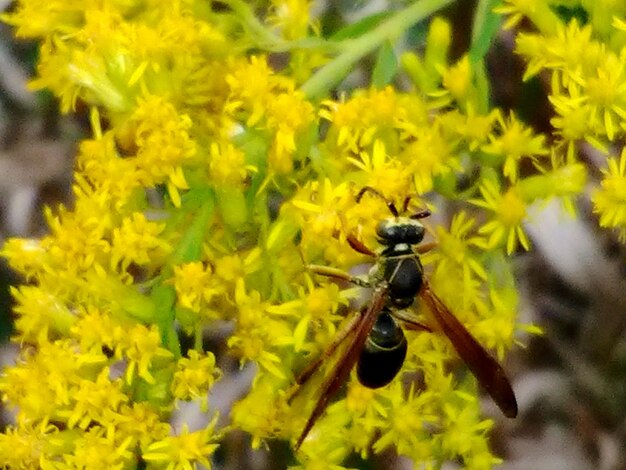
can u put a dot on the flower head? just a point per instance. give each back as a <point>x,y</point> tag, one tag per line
<point>182,450</point>
<point>509,210</point>
<point>610,199</point>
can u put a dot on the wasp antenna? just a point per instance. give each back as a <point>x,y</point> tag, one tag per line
<point>405,204</point>
<point>368,189</point>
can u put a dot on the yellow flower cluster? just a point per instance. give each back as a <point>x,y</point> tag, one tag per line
<point>585,66</point>
<point>212,179</point>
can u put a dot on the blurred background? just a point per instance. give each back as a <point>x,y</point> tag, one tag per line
<point>570,382</point>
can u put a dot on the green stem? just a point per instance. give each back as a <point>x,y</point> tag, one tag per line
<point>197,338</point>
<point>332,73</point>
<point>190,246</point>
<point>265,39</point>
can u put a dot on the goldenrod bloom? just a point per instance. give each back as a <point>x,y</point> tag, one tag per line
<point>215,175</point>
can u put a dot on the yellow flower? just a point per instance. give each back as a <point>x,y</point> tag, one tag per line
<point>457,266</point>
<point>319,207</point>
<point>230,268</point>
<point>26,256</point>
<point>41,314</point>
<point>141,423</point>
<point>138,241</point>
<point>609,200</point>
<point>537,10</point>
<point>588,88</point>
<point>77,240</point>
<point>496,327</point>
<point>571,122</point>
<point>41,386</point>
<point>509,211</point>
<point>182,451</point>
<point>552,51</point>
<point>381,171</point>
<point>357,122</point>
<point>288,116</point>
<point>328,440</point>
<point>291,17</point>
<point>465,435</point>
<point>93,401</point>
<point>514,142</point>
<point>74,73</point>
<point>141,347</point>
<point>197,288</point>
<point>372,107</point>
<point>405,426</point>
<point>23,447</point>
<point>252,414</point>
<point>100,164</point>
<point>250,95</point>
<point>195,376</point>
<point>315,312</point>
<point>257,335</point>
<point>96,449</point>
<point>227,166</point>
<point>429,155</point>
<point>458,81</point>
<point>605,91</point>
<point>471,126</point>
<point>163,145</point>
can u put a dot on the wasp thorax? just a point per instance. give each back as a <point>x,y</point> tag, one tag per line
<point>397,230</point>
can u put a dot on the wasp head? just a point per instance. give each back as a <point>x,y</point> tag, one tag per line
<point>399,230</point>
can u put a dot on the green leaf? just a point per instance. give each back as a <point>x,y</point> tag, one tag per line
<point>361,27</point>
<point>486,25</point>
<point>190,246</point>
<point>386,66</point>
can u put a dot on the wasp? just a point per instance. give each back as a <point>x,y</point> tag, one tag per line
<point>376,343</point>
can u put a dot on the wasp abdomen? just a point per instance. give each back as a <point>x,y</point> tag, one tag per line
<point>383,354</point>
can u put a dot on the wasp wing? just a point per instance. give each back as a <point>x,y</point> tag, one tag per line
<point>485,368</point>
<point>340,372</point>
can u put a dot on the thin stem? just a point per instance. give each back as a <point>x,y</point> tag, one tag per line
<point>333,72</point>
<point>266,40</point>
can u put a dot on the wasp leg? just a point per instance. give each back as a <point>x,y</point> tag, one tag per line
<point>337,274</point>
